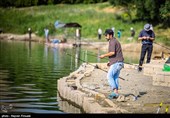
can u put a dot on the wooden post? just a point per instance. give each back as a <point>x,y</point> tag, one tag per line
<point>78,37</point>
<point>29,32</point>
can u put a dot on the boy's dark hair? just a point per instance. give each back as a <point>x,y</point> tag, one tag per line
<point>108,31</point>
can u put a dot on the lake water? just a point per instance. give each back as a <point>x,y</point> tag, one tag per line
<point>29,74</point>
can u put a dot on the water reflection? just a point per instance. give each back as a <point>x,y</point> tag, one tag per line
<point>55,51</point>
<point>77,56</point>
<point>29,73</point>
<point>46,52</point>
<point>29,48</point>
<point>28,77</point>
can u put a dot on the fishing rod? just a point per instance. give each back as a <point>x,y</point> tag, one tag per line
<point>162,45</point>
<point>106,59</point>
<point>96,66</point>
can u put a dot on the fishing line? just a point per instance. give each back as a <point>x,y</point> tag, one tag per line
<point>105,58</point>
<point>162,45</point>
<point>96,66</point>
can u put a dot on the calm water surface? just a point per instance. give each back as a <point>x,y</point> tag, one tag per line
<point>29,74</point>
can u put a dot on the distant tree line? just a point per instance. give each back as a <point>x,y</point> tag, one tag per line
<point>156,11</point>
<point>27,3</point>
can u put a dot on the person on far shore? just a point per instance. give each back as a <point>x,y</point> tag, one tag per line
<point>119,34</point>
<point>46,30</point>
<point>113,29</point>
<point>146,36</point>
<point>132,32</point>
<point>99,33</point>
<point>115,64</point>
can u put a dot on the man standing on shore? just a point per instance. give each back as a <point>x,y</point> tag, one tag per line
<point>115,62</point>
<point>46,30</point>
<point>146,36</point>
<point>99,33</point>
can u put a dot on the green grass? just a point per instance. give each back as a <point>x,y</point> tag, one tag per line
<point>90,16</point>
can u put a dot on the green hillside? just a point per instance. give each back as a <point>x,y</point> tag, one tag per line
<point>90,16</point>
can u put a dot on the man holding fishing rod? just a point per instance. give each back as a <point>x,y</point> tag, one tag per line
<point>115,62</point>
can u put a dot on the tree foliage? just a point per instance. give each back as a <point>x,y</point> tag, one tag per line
<point>165,12</point>
<point>156,11</point>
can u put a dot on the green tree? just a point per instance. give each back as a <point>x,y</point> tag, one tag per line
<point>128,4</point>
<point>34,2</point>
<point>156,11</point>
<point>165,13</point>
<point>50,2</point>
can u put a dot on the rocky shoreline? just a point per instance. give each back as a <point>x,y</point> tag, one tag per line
<point>130,47</point>
<point>87,87</point>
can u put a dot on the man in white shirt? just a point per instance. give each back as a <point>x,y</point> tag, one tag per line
<point>99,33</point>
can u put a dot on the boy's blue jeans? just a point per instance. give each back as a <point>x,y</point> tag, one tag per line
<point>113,75</point>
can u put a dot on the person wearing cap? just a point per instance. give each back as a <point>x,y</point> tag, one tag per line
<point>146,36</point>
<point>115,64</point>
<point>119,34</point>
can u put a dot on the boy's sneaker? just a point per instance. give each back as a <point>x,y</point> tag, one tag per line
<point>113,95</point>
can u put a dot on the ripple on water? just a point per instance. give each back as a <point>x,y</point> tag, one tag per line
<point>26,105</point>
<point>29,84</point>
<point>9,93</point>
<point>31,92</point>
<point>35,96</point>
<point>21,100</point>
<point>48,103</point>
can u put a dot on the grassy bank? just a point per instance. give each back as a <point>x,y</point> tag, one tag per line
<point>91,17</point>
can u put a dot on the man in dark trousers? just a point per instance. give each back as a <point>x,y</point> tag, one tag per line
<point>146,36</point>
<point>115,62</point>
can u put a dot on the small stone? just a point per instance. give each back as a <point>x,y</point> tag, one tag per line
<point>87,74</point>
<point>85,85</point>
<point>92,87</point>
<point>90,95</point>
<point>121,98</point>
